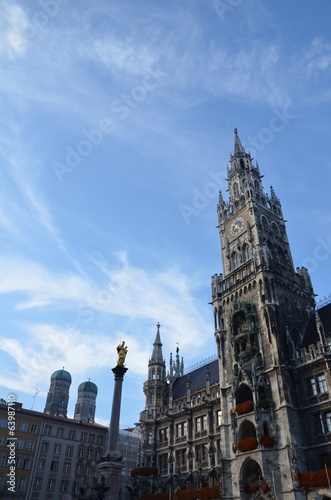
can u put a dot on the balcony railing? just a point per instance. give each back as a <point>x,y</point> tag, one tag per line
<point>311,353</point>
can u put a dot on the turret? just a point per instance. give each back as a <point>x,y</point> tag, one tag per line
<point>86,402</point>
<point>156,384</point>
<point>58,394</point>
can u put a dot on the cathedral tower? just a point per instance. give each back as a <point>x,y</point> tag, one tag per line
<point>261,306</point>
<point>58,394</point>
<point>86,402</point>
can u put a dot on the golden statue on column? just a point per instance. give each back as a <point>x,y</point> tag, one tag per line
<point>122,352</point>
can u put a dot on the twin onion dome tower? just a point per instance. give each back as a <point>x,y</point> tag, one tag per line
<point>58,397</point>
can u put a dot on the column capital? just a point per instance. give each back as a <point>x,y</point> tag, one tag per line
<point>119,371</point>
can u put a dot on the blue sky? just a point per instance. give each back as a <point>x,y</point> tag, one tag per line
<point>116,128</point>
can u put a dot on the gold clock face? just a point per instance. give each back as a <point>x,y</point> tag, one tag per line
<point>237,226</point>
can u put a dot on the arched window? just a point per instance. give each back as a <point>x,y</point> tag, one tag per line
<point>246,253</point>
<point>234,260</point>
<point>251,475</point>
<point>264,223</point>
<point>247,430</point>
<point>215,318</point>
<point>235,190</point>
<point>281,257</point>
<point>243,394</point>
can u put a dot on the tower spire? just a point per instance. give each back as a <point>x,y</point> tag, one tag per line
<point>157,356</point>
<point>238,147</point>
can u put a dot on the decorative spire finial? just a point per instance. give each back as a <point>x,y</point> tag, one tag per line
<point>238,147</point>
<point>157,356</point>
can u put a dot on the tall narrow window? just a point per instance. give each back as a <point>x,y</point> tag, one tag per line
<point>328,421</point>
<point>322,385</point>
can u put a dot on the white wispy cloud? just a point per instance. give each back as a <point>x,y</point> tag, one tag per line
<point>128,55</point>
<point>123,290</point>
<point>263,71</point>
<point>136,295</point>
<point>317,57</point>
<point>13,21</point>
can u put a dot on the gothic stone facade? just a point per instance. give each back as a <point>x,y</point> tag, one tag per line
<point>265,416</point>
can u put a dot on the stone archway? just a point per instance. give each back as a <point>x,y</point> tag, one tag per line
<point>253,484</point>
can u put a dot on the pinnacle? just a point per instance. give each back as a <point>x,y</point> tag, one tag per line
<point>238,147</point>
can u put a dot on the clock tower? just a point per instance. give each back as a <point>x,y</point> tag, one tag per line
<point>261,306</point>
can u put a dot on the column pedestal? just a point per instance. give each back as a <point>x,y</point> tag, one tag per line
<point>110,475</point>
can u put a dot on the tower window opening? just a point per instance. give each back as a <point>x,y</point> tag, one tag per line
<point>264,223</point>
<point>247,430</point>
<point>281,257</point>
<point>235,261</point>
<point>235,190</point>
<point>265,429</point>
<point>246,253</point>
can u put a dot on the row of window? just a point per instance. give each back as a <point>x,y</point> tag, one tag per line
<point>239,258</point>
<point>84,436</point>
<point>86,470</point>
<point>89,453</point>
<point>318,385</point>
<point>20,443</point>
<point>42,464</point>
<point>23,427</point>
<point>60,431</point>
<point>45,447</point>
<point>67,465</point>
<point>200,454</point>
<point>156,374</point>
<point>21,483</point>
<point>200,424</point>
<point>23,462</point>
<point>51,484</point>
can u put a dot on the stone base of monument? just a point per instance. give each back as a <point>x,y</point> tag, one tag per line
<point>109,470</point>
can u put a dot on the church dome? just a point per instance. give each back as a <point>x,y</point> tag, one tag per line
<point>61,375</point>
<point>88,387</point>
